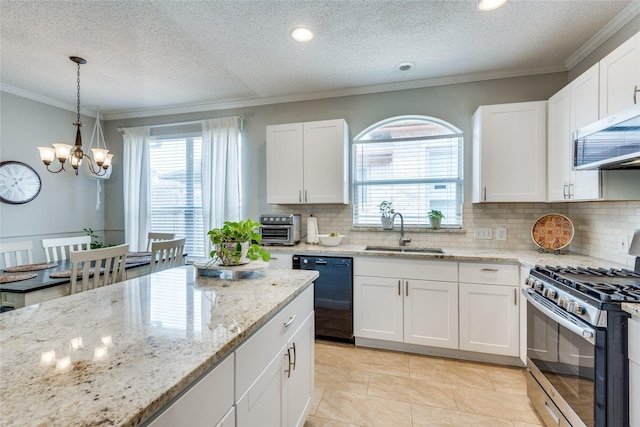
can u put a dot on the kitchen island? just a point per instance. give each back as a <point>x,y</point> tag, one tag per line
<point>120,354</point>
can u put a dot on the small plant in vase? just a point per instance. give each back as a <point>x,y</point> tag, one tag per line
<point>385,214</point>
<point>233,244</point>
<point>435,217</point>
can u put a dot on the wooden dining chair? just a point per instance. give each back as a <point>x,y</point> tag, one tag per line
<point>98,267</point>
<point>156,237</point>
<point>166,254</point>
<point>17,253</point>
<point>58,249</point>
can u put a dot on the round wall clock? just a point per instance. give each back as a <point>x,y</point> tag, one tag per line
<point>19,183</point>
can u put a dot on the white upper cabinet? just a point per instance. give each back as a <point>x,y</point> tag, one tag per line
<point>574,106</point>
<point>620,77</point>
<point>509,153</point>
<point>308,162</point>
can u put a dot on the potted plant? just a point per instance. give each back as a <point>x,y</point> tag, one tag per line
<point>385,214</point>
<point>236,243</point>
<point>434,218</point>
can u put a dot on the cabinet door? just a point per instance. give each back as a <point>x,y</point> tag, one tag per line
<point>584,185</point>
<point>262,404</point>
<point>299,382</point>
<point>619,76</point>
<point>510,154</point>
<point>284,163</point>
<point>431,313</point>
<point>325,162</point>
<point>559,156</point>
<point>377,305</point>
<point>489,319</point>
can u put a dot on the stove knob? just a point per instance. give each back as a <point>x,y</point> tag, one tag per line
<point>549,293</point>
<point>577,309</point>
<point>565,303</point>
<point>538,285</point>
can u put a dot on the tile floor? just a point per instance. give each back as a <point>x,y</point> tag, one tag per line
<point>356,386</point>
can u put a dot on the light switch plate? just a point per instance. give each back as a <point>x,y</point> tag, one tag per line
<point>482,234</point>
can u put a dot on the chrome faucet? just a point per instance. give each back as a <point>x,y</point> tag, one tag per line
<point>403,240</point>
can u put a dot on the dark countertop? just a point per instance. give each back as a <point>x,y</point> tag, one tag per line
<point>43,281</point>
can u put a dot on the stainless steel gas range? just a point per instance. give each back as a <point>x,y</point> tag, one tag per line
<point>577,345</point>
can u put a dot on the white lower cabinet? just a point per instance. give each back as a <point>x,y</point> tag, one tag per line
<point>274,369</point>
<point>280,260</point>
<point>467,306</point>
<point>229,419</point>
<point>401,307</point>
<point>489,308</point>
<point>208,403</point>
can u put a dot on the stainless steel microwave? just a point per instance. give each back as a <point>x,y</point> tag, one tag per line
<point>610,143</point>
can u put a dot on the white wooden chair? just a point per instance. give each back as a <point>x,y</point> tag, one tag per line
<point>166,254</point>
<point>157,237</point>
<point>98,267</point>
<point>56,249</point>
<point>17,253</point>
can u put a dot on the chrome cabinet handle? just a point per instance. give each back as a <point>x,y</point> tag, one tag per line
<point>571,193</point>
<point>305,196</point>
<point>290,321</point>
<point>635,91</point>
<point>399,287</point>
<point>492,270</point>
<point>295,356</point>
<point>565,187</point>
<point>299,196</point>
<point>288,370</point>
<point>485,194</point>
<point>515,296</point>
<point>406,288</point>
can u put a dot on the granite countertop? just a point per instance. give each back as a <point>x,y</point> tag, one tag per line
<point>161,332</point>
<point>528,258</point>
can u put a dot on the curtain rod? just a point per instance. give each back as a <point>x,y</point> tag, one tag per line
<point>191,122</point>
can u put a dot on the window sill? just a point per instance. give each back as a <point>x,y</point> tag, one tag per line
<point>449,230</point>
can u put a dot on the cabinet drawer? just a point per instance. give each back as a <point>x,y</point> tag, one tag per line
<point>634,339</point>
<point>256,353</point>
<point>489,274</point>
<point>395,267</point>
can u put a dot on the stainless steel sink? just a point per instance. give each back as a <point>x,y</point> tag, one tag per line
<point>404,249</point>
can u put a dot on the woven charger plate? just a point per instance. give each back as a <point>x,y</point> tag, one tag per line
<point>16,277</point>
<point>138,254</point>
<point>137,259</point>
<point>552,231</point>
<point>67,273</point>
<point>30,267</point>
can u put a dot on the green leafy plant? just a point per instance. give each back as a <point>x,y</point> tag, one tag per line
<point>385,208</point>
<point>96,241</point>
<point>435,214</point>
<point>229,240</point>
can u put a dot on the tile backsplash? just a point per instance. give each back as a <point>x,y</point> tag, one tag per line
<point>599,226</point>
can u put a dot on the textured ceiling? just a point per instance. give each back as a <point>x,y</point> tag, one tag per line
<point>151,57</point>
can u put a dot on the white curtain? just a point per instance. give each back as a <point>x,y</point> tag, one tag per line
<point>137,194</point>
<point>220,172</point>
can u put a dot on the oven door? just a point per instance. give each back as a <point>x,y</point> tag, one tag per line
<point>276,234</point>
<point>561,356</point>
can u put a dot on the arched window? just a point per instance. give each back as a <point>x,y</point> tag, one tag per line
<point>415,162</point>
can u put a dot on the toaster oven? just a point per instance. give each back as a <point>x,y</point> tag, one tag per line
<point>280,229</point>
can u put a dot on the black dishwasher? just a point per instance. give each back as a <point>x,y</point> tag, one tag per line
<point>333,303</point>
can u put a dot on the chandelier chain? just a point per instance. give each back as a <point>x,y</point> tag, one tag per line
<point>78,93</point>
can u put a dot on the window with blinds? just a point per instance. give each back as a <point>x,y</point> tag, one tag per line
<point>176,197</point>
<point>414,162</point>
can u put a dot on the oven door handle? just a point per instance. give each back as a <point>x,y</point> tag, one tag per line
<point>584,330</point>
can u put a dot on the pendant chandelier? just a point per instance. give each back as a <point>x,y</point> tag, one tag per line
<point>101,156</point>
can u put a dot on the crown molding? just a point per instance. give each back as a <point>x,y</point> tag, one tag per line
<point>622,19</point>
<point>360,90</point>
<point>14,90</point>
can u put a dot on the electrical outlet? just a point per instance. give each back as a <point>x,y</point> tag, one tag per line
<point>501,233</point>
<point>623,244</point>
<point>482,233</point>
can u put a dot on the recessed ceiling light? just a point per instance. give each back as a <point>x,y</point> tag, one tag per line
<point>487,5</point>
<point>301,34</point>
<point>405,66</point>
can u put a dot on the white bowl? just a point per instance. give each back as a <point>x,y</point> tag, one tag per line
<point>327,240</point>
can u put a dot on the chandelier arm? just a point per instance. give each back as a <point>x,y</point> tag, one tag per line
<point>59,170</point>
<point>92,165</point>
